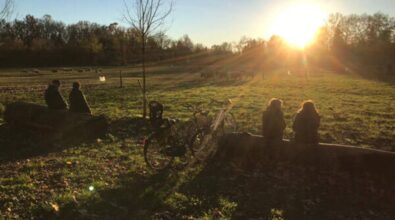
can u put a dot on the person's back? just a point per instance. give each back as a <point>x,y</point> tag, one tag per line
<point>77,100</point>
<point>53,98</point>
<point>48,94</point>
<point>273,123</point>
<point>306,124</point>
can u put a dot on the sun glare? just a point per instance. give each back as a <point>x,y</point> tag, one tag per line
<point>298,24</point>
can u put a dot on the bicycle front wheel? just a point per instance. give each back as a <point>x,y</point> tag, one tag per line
<point>156,155</point>
<point>198,142</point>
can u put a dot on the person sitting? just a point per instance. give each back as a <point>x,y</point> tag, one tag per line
<point>53,98</point>
<point>306,124</point>
<point>78,103</point>
<point>273,123</point>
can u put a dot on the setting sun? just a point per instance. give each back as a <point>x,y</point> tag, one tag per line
<point>298,24</point>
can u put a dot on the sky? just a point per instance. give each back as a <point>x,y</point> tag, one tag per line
<point>205,21</point>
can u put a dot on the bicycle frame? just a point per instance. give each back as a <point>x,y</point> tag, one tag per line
<point>223,112</point>
<point>174,139</point>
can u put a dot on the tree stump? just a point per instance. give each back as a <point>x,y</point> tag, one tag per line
<point>58,124</point>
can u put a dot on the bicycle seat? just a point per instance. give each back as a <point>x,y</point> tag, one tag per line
<point>172,121</point>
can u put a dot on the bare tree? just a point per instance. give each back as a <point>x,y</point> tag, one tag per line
<point>146,16</point>
<point>6,9</point>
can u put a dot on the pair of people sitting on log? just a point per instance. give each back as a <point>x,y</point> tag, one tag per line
<point>305,125</point>
<point>55,101</point>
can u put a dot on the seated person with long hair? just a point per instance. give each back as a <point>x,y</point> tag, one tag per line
<point>306,124</point>
<point>53,97</point>
<point>273,123</point>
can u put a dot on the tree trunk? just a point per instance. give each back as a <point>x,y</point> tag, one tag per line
<point>244,149</point>
<point>144,84</point>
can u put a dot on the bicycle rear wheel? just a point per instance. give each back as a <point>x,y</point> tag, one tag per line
<point>156,155</point>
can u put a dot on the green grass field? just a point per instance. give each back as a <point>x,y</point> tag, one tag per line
<point>354,111</point>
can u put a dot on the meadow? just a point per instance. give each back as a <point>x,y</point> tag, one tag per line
<point>107,179</point>
<point>354,110</point>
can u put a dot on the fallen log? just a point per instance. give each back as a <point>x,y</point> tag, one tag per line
<point>246,148</point>
<point>58,124</point>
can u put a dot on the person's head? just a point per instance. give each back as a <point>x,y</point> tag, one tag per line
<point>308,107</point>
<point>275,103</point>
<point>76,85</point>
<point>56,82</point>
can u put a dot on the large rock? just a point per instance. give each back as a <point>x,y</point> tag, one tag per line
<point>59,124</point>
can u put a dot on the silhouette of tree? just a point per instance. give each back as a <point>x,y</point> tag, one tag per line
<point>146,16</point>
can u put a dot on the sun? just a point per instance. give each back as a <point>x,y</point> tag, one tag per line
<point>298,24</point>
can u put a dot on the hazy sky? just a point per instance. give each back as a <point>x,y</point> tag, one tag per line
<point>205,21</point>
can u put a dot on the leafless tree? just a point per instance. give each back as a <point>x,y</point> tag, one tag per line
<point>6,8</point>
<point>147,17</point>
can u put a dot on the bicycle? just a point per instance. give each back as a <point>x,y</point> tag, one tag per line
<point>173,139</point>
<point>222,122</point>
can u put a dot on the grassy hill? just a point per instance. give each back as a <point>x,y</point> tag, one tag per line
<point>108,179</point>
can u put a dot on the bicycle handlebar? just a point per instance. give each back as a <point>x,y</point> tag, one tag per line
<point>225,102</point>
<point>194,108</point>
<point>190,106</point>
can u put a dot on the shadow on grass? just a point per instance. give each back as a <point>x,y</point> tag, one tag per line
<point>17,144</point>
<point>260,187</point>
<point>272,188</point>
<point>137,196</point>
<point>278,191</point>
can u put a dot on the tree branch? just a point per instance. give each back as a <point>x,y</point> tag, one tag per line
<point>7,9</point>
<point>147,16</point>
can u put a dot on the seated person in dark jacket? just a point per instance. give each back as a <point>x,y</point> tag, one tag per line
<point>77,100</point>
<point>273,123</point>
<point>306,124</point>
<point>53,98</point>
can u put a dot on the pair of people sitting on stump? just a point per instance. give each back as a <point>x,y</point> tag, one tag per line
<point>305,126</point>
<point>55,101</point>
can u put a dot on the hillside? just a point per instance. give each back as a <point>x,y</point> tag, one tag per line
<point>108,179</point>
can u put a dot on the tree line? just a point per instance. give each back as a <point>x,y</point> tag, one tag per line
<point>45,42</point>
<point>358,42</point>
<point>345,40</point>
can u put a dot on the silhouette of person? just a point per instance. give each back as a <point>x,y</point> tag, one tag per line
<point>53,98</point>
<point>306,124</point>
<point>77,100</point>
<point>273,123</point>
